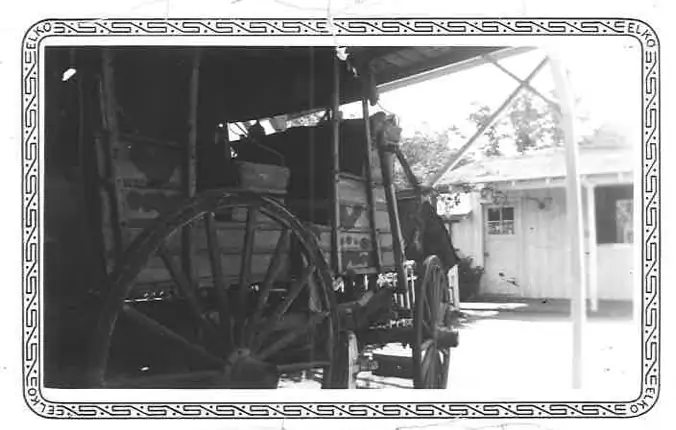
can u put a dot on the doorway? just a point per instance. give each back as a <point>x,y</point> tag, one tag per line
<point>501,256</point>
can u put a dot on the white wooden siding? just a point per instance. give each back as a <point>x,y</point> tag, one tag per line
<point>545,249</point>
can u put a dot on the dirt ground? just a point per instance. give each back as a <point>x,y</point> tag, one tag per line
<point>522,351</point>
<point>513,350</point>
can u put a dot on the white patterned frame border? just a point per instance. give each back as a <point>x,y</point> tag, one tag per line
<point>31,251</point>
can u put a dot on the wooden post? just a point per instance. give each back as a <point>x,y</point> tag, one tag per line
<point>335,169</point>
<point>592,245</point>
<point>190,172</point>
<point>112,149</point>
<point>312,173</point>
<point>386,156</point>
<point>369,183</point>
<point>574,214</point>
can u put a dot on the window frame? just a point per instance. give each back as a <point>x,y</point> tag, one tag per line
<point>502,222</point>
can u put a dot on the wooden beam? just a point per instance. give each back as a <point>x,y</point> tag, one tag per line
<point>112,150</point>
<point>451,69</point>
<point>368,163</point>
<point>335,169</point>
<point>574,214</point>
<point>528,86</point>
<point>190,165</point>
<point>410,176</point>
<point>435,73</point>
<point>311,131</point>
<point>455,159</point>
<point>386,156</point>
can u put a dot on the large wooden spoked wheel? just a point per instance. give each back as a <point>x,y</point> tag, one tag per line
<point>220,330</point>
<point>431,349</point>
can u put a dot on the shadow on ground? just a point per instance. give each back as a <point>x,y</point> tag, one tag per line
<point>538,309</point>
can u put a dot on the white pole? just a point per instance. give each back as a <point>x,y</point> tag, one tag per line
<point>574,214</point>
<point>593,262</point>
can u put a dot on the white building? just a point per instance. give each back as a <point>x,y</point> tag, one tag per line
<point>513,222</point>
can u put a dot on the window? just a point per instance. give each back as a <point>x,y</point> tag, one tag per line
<point>501,220</point>
<point>624,221</point>
<point>614,214</point>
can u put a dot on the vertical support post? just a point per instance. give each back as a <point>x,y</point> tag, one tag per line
<point>335,169</point>
<point>592,245</point>
<point>368,165</point>
<point>311,183</point>
<point>386,157</point>
<point>112,149</point>
<point>190,172</point>
<point>574,214</point>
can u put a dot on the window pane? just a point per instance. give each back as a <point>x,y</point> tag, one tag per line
<point>493,214</point>
<point>494,227</point>
<point>624,221</point>
<point>607,228</point>
<point>508,227</point>
<point>508,214</point>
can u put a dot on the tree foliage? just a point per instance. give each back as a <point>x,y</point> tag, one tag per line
<point>426,153</point>
<point>529,123</point>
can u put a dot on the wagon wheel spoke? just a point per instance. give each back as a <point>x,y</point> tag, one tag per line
<point>428,329</point>
<point>163,331</point>
<point>441,311</point>
<point>427,351</point>
<point>291,336</point>
<point>247,255</point>
<point>217,273</point>
<point>293,293</point>
<point>187,290</point>
<point>274,270</point>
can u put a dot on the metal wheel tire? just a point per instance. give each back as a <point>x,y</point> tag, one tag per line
<point>248,331</point>
<point>431,359</point>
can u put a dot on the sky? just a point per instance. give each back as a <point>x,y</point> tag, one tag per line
<point>604,75</point>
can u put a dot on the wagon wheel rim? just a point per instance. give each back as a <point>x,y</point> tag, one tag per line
<point>431,360</point>
<point>245,326</point>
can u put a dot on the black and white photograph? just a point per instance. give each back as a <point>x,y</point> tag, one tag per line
<point>258,217</point>
<point>444,218</point>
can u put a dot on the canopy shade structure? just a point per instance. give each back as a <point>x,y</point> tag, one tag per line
<point>249,83</point>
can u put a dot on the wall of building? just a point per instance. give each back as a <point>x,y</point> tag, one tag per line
<point>543,244</point>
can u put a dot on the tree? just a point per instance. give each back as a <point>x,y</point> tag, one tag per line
<point>529,124</point>
<point>426,153</point>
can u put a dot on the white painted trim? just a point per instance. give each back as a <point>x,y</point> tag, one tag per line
<point>560,182</point>
<point>592,244</point>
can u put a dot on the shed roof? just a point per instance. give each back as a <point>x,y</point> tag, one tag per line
<point>543,164</point>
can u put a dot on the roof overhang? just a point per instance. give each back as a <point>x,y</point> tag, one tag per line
<point>601,179</point>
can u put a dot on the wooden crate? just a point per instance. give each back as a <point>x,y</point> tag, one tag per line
<point>264,178</point>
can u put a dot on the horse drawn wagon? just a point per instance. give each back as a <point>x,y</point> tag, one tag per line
<point>206,261</point>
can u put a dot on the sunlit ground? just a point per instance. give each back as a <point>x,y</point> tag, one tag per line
<point>507,352</point>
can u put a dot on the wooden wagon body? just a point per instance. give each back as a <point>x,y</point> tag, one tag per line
<point>296,228</point>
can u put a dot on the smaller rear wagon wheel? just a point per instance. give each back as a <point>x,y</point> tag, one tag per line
<point>431,346</point>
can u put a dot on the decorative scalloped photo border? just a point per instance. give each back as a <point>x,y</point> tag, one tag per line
<point>400,27</point>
